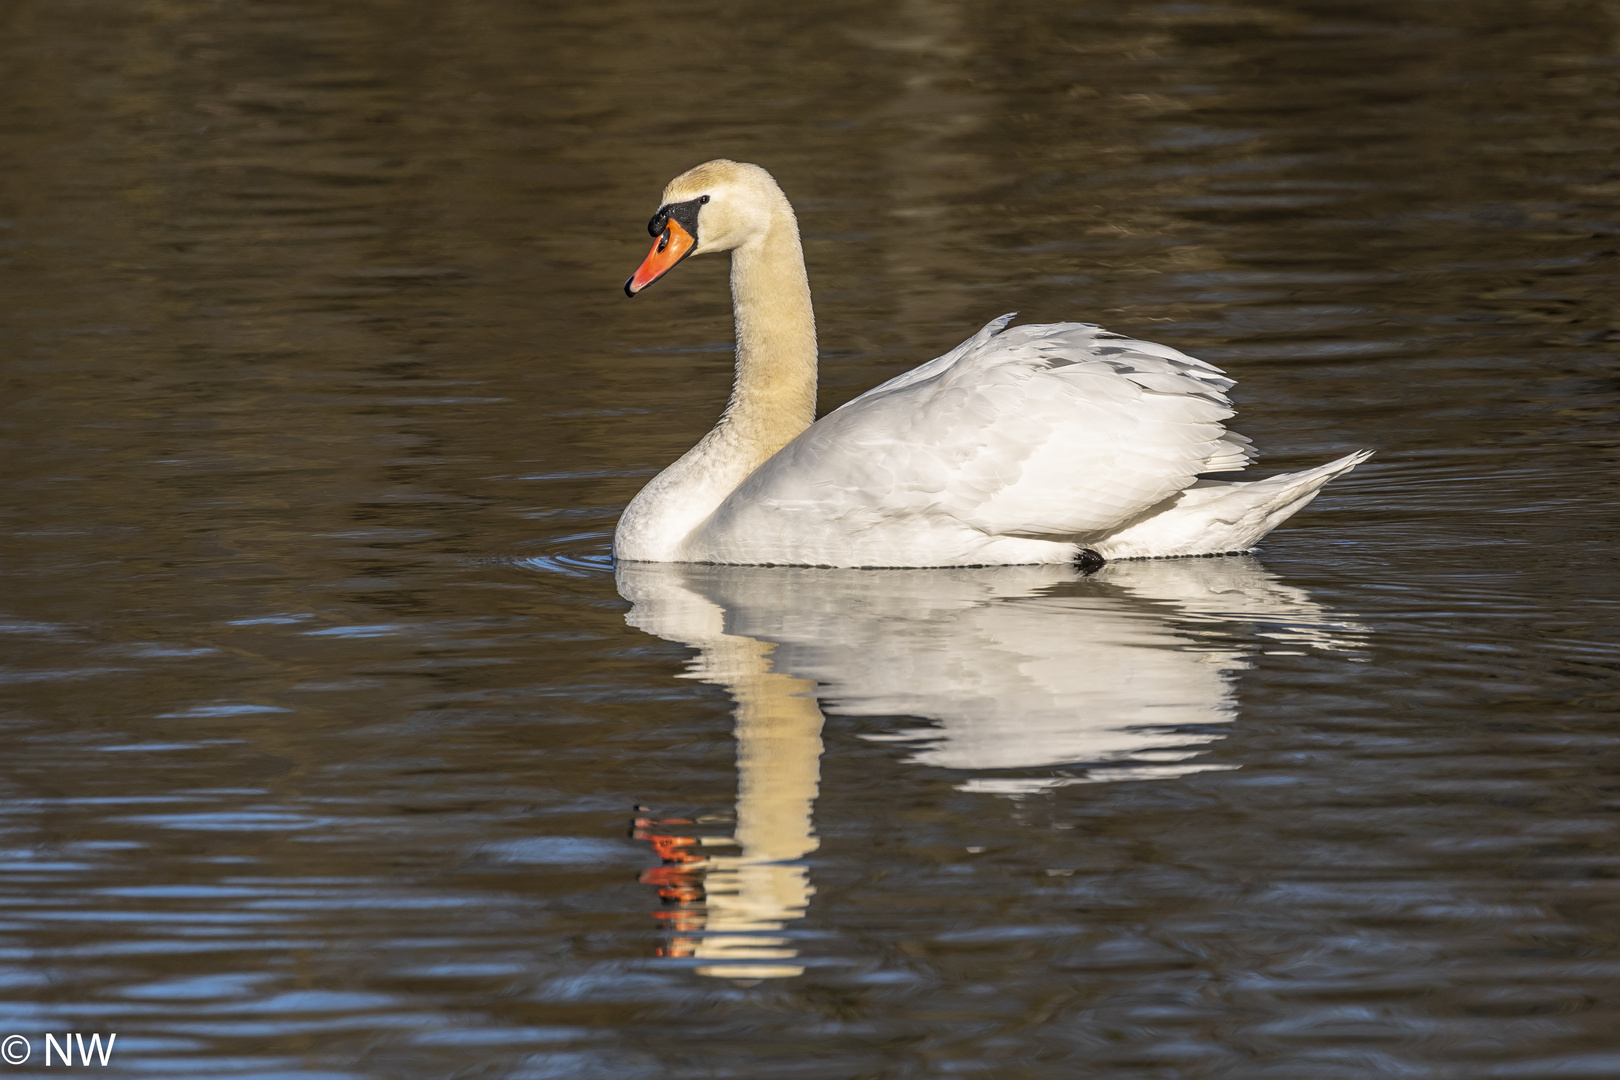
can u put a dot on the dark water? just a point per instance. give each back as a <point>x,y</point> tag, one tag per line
<point>325,721</point>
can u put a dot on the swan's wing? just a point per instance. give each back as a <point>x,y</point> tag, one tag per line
<point>1045,431</point>
<point>939,363</point>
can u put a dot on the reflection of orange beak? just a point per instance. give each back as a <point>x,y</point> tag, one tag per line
<point>674,244</point>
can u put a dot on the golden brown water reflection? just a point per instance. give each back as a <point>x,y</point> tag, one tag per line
<point>324,723</point>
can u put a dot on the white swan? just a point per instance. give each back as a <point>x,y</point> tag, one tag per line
<point>1053,443</point>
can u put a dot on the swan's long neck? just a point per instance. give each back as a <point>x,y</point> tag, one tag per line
<point>774,396</point>
<point>772,400</point>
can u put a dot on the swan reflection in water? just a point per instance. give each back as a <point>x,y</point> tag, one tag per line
<point>1035,673</point>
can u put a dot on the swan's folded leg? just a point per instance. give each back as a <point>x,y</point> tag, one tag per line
<point>1217,516</point>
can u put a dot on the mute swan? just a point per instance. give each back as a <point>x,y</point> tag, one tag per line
<point>1053,443</point>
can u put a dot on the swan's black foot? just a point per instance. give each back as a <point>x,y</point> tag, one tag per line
<point>1088,561</point>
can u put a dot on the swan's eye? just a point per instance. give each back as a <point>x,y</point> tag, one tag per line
<point>704,199</point>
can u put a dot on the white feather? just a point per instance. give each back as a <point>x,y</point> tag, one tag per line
<point>1019,445</point>
<point>1023,444</point>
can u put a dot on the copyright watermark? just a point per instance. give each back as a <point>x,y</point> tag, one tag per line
<point>16,1049</point>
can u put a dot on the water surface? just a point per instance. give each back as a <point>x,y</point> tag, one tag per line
<point>335,747</point>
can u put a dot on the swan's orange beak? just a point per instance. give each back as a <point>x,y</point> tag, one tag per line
<point>673,245</point>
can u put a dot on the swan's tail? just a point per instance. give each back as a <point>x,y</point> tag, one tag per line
<point>1217,516</point>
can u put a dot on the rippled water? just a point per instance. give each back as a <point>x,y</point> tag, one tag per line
<point>334,746</point>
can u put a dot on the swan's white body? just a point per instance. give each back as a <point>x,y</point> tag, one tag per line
<point>1021,445</point>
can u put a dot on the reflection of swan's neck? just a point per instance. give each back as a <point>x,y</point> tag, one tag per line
<point>774,396</point>
<point>778,771</point>
<point>778,763</point>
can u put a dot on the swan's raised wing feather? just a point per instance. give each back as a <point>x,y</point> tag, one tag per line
<point>1049,431</point>
<point>939,363</point>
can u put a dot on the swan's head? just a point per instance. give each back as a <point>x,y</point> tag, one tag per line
<point>716,206</point>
